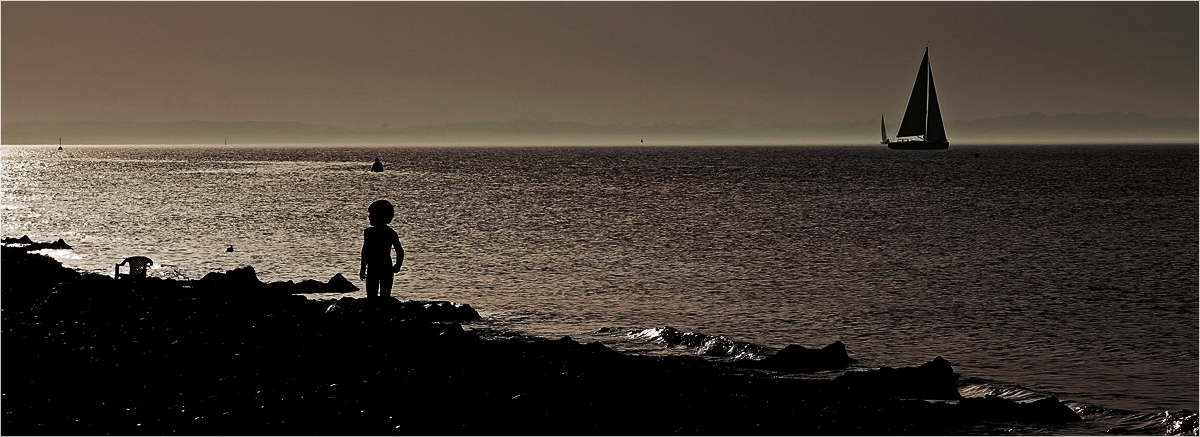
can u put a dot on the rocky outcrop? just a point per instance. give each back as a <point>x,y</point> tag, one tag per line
<point>339,284</point>
<point>246,279</point>
<point>239,279</point>
<point>423,311</point>
<point>795,358</point>
<point>933,380</point>
<point>92,355</point>
<point>995,408</point>
<point>23,240</point>
<point>594,348</point>
<point>336,284</point>
<point>30,245</point>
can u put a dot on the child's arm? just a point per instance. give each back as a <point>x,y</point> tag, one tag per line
<point>362,267</point>
<point>399,255</point>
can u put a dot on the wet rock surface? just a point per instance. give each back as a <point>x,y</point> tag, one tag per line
<point>796,358</point>
<point>29,245</point>
<point>933,380</point>
<point>86,354</point>
<point>1043,410</point>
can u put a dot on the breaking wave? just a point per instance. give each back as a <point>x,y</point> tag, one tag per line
<point>1097,419</point>
<point>703,344</point>
<point>1181,422</point>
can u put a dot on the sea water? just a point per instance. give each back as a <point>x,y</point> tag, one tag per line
<point>1045,270</point>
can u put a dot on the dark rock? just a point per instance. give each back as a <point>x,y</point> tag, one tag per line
<point>597,348</point>
<point>449,311</point>
<point>23,240</point>
<point>287,287</point>
<point>391,308</point>
<point>310,286</point>
<point>996,408</point>
<point>933,380</point>
<point>336,284</point>
<point>244,275</point>
<point>465,312</point>
<point>339,284</point>
<point>795,358</point>
<point>31,245</point>
<point>159,357</point>
<point>336,308</point>
<point>239,279</point>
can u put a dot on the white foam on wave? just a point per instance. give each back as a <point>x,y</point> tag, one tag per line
<point>60,254</point>
<point>1011,392</point>
<point>1178,422</point>
<point>703,344</point>
<point>1095,418</point>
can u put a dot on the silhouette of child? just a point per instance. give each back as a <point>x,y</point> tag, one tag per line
<point>378,240</point>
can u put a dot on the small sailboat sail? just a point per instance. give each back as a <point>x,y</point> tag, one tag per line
<point>883,131</point>
<point>921,127</point>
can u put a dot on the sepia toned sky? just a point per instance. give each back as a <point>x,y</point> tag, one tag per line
<point>363,64</point>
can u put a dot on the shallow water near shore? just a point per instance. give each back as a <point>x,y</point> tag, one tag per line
<point>1063,270</point>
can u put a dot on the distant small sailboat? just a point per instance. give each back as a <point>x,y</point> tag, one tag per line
<point>60,144</point>
<point>921,128</point>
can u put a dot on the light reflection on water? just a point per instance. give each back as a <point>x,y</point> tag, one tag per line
<point>1068,269</point>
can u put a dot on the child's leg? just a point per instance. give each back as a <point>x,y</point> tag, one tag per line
<point>385,284</point>
<point>372,285</point>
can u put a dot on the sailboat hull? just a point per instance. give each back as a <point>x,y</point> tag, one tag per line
<point>918,145</point>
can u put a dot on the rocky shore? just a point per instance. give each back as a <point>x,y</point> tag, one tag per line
<point>87,354</point>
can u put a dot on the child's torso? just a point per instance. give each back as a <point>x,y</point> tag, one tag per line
<point>377,247</point>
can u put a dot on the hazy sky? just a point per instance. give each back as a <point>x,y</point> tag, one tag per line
<point>365,64</point>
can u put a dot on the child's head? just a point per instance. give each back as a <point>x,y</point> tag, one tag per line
<point>380,212</point>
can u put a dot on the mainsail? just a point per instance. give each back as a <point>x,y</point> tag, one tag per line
<point>913,123</point>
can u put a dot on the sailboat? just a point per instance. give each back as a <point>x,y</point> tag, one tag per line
<point>921,128</point>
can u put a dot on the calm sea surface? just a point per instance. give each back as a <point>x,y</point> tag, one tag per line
<point>1065,270</point>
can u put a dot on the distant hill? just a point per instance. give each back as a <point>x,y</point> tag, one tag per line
<point>1103,127</point>
<point>1031,128</point>
<point>186,132</point>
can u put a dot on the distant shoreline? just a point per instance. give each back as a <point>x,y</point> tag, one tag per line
<point>1032,128</point>
<point>553,145</point>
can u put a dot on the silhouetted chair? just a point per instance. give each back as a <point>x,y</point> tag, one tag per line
<point>137,267</point>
